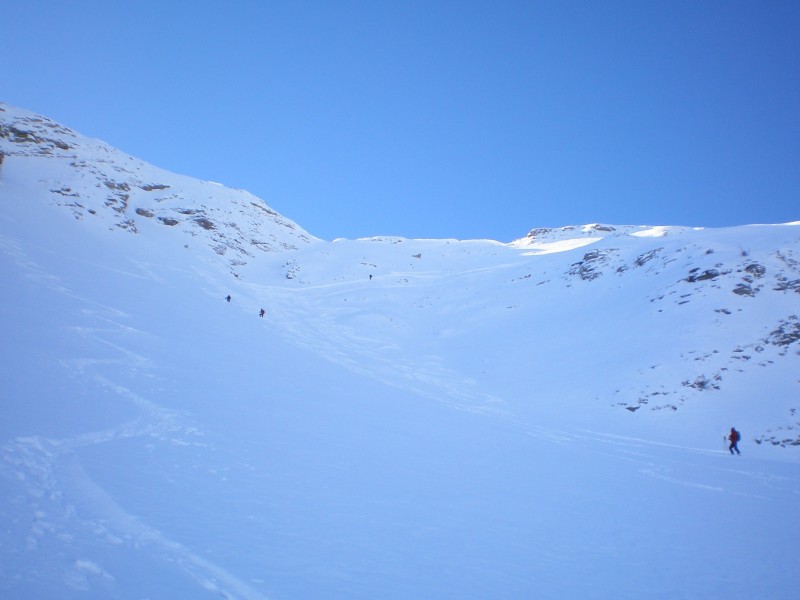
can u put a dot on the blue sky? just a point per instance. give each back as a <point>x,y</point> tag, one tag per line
<point>436,119</point>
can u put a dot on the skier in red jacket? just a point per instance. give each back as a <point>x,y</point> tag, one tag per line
<point>734,437</point>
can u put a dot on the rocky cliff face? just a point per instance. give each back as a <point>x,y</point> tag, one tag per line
<point>97,182</point>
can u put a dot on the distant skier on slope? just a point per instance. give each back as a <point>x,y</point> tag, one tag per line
<point>261,314</point>
<point>734,438</point>
<point>228,297</point>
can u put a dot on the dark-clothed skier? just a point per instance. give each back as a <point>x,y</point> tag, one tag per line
<point>228,297</point>
<point>734,438</point>
<point>261,314</point>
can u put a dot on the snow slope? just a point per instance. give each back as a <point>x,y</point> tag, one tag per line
<point>411,419</point>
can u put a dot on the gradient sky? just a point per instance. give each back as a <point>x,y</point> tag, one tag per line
<point>436,119</point>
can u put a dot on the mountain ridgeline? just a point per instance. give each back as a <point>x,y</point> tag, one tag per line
<point>691,313</point>
<point>203,400</point>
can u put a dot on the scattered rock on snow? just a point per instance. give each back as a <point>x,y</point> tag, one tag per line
<point>642,259</point>
<point>708,274</point>
<point>591,267</point>
<point>703,383</point>
<point>756,270</point>
<point>787,332</point>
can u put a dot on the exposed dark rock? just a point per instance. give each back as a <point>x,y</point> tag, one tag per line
<point>787,332</point>
<point>592,264</point>
<point>779,438</point>
<point>702,383</point>
<point>593,255</point>
<point>533,233</point>
<point>20,136</point>
<point>786,285</point>
<point>642,259</point>
<point>205,223</point>
<point>756,270</point>
<point>113,185</point>
<point>265,208</point>
<point>129,225</point>
<point>65,191</point>
<point>708,274</point>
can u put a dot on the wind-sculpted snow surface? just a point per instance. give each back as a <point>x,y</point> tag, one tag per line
<point>410,418</point>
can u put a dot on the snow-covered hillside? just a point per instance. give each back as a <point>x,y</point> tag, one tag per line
<point>410,418</point>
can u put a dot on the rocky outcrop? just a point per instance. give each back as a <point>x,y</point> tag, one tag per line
<point>95,181</point>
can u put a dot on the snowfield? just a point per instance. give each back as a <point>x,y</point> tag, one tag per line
<point>410,419</point>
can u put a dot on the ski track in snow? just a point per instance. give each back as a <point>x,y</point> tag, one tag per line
<point>60,489</point>
<point>679,471</point>
<point>64,494</point>
<point>59,484</point>
<point>53,477</point>
<point>322,334</point>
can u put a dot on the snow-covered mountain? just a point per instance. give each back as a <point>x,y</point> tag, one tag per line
<point>410,418</point>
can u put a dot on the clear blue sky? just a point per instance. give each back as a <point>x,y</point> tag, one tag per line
<point>436,119</point>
